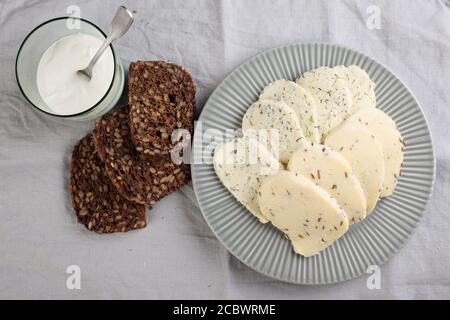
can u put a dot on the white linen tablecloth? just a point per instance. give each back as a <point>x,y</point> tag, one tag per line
<point>177,256</point>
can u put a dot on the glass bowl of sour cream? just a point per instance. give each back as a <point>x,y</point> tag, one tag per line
<point>47,64</point>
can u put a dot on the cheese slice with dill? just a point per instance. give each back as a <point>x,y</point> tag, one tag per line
<point>360,85</point>
<point>275,125</point>
<point>329,169</point>
<point>300,101</point>
<point>332,96</point>
<point>364,154</point>
<point>241,165</point>
<point>306,213</point>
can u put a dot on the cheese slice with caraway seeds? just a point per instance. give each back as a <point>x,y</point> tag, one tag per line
<point>391,141</point>
<point>306,213</point>
<point>364,154</point>
<point>329,169</point>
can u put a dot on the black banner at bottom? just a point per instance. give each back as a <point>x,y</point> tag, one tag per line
<point>216,309</point>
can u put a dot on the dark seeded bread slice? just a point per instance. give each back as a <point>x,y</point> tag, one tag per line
<point>139,177</point>
<point>98,206</point>
<point>161,96</point>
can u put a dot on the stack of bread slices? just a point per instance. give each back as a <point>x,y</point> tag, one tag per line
<point>128,163</point>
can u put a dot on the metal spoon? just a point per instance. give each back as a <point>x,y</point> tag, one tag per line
<point>119,25</point>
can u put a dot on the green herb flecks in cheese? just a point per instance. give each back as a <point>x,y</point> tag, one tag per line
<point>307,214</point>
<point>391,141</point>
<point>333,98</point>
<point>274,119</point>
<point>330,170</point>
<point>365,156</point>
<point>300,100</point>
<point>241,165</point>
<point>361,87</point>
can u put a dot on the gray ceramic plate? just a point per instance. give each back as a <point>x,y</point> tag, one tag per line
<point>262,247</point>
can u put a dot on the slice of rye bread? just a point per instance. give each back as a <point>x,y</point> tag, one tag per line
<point>98,205</point>
<point>161,96</point>
<point>139,177</point>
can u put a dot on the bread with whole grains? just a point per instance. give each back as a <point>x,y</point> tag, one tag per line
<point>98,205</point>
<point>161,96</point>
<point>139,177</point>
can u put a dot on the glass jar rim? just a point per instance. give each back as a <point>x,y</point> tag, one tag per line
<point>56,114</point>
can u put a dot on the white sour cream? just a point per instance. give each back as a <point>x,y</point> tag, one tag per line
<point>65,91</point>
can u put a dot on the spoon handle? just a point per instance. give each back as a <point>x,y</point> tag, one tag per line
<point>100,51</point>
<point>119,26</point>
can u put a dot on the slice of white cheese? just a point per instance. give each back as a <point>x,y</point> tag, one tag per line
<point>277,121</point>
<point>306,213</point>
<point>241,165</point>
<point>360,85</point>
<point>330,170</point>
<point>365,155</point>
<point>300,100</point>
<point>333,98</point>
<point>391,141</point>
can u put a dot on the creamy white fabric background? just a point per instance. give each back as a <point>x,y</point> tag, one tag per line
<point>177,256</point>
